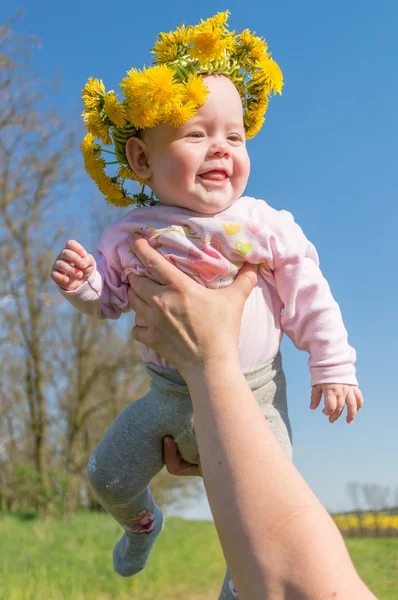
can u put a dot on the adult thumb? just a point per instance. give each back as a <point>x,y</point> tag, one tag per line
<point>245,281</point>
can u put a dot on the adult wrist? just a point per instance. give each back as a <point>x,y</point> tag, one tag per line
<point>216,365</point>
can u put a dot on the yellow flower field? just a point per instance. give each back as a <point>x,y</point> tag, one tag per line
<point>367,523</point>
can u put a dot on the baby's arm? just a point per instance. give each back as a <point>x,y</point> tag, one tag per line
<point>312,319</point>
<point>94,289</point>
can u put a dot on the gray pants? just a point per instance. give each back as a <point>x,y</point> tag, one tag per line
<point>130,453</point>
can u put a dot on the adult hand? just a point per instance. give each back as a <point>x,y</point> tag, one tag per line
<point>175,464</point>
<point>188,324</point>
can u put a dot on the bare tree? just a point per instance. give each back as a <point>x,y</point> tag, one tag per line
<point>35,166</point>
<point>395,499</point>
<point>376,497</point>
<point>354,491</point>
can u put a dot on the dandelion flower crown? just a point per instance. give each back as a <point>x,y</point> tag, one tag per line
<point>171,91</point>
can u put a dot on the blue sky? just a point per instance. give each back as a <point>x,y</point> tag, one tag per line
<point>328,153</point>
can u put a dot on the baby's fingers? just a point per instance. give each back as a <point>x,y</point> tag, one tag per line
<point>352,407</point>
<point>59,278</point>
<point>72,258</point>
<point>316,396</point>
<point>340,403</point>
<point>76,247</point>
<point>330,402</point>
<point>66,268</point>
<point>359,398</point>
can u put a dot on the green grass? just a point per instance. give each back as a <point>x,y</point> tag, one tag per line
<point>65,560</point>
<point>376,560</point>
<point>62,560</point>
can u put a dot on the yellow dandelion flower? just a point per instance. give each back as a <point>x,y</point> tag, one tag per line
<point>255,47</point>
<point>175,99</point>
<point>147,92</point>
<point>165,52</point>
<point>109,188</point>
<point>195,90</point>
<point>254,117</point>
<point>114,110</point>
<point>269,75</point>
<point>97,127</point>
<point>230,41</point>
<point>207,46</point>
<point>254,127</point>
<point>95,167</point>
<point>210,39</point>
<point>92,93</point>
<point>88,147</point>
<point>257,109</point>
<point>180,113</point>
<point>93,87</point>
<point>262,96</point>
<point>104,136</point>
<point>168,45</point>
<point>218,21</point>
<point>135,84</point>
<point>93,120</point>
<point>120,202</point>
<point>91,103</point>
<point>127,173</point>
<point>142,115</point>
<point>160,84</point>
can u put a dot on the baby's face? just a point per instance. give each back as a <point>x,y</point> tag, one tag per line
<point>203,165</point>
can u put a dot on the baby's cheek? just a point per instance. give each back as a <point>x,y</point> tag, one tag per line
<point>243,171</point>
<point>185,161</point>
<point>174,177</point>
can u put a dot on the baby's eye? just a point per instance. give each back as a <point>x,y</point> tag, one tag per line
<point>234,137</point>
<point>196,134</point>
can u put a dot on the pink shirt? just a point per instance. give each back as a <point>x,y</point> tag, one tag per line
<point>291,297</point>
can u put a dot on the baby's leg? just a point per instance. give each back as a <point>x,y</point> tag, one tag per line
<point>120,469</point>
<point>271,397</point>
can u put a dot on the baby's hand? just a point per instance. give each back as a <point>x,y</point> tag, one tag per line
<point>336,396</point>
<point>72,266</point>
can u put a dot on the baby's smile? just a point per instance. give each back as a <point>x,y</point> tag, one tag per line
<point>214,178</point>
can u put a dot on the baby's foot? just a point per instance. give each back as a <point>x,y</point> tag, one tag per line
<point>228,591</point>
<point>131,553</point>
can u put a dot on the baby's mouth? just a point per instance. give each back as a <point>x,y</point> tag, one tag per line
<point>214,175</point>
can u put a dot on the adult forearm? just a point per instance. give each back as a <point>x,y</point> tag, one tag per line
<point>275,535</point>
<point>279,542</point>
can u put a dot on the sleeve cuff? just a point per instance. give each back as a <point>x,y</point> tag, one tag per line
<point>344,374</point>
<point>88,291</point>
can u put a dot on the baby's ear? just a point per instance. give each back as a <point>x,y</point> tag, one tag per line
<point>137,155</point>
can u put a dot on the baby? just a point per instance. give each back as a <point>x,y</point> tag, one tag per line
<point>198,171</point>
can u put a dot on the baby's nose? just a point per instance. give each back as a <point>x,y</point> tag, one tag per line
<point>220,148</point>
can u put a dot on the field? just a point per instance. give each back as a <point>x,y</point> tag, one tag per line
<point>65,560</point>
